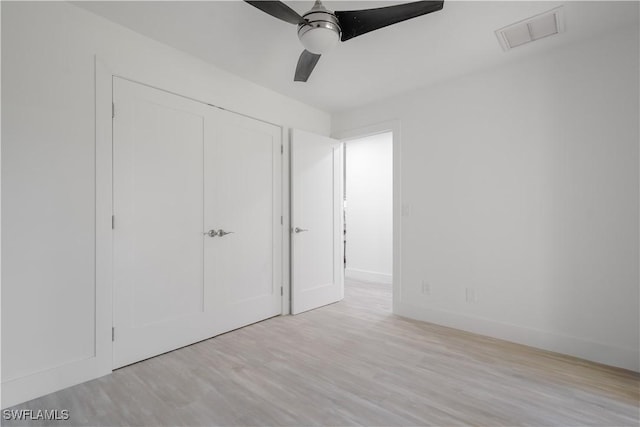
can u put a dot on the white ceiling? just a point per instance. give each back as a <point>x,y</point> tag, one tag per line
<point>456,40</point>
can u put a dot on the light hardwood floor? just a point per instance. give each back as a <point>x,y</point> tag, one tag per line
<point>353,363</point>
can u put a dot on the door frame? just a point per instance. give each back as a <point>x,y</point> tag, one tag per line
<point>104,75</point>
<point>393,126</point>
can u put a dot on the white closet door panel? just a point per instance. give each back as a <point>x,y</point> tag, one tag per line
<point>158,208</point>
<point>243,181</point>
<point>165,220</point>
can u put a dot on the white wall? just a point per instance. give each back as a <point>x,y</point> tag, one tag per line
<point>48,175</point>
<point>369,212</point>
<point>521,184</point>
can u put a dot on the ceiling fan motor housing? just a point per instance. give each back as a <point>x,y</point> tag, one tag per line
<point>321,31</point>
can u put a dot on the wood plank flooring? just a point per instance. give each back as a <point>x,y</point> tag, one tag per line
<point>352,363</point>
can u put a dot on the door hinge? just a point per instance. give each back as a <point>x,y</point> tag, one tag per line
<point>281,291</point>
<point>113,110</point>
<point>113,222</point>
<point>113,334</point>
<point>281,149</point>
<point>281,220</point>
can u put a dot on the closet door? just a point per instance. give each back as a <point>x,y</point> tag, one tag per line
<point>243,198</point>
<point>159,288</point>
<point>180,169</point>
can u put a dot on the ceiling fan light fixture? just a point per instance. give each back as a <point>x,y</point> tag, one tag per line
<point>318,40</point>
<point>321,31</point>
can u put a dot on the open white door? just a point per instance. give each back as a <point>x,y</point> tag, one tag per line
<point>317,272</point>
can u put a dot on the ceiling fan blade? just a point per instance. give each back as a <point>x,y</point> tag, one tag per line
<point>306,63</point>
<point>354,23</point>
<point>278,10</point>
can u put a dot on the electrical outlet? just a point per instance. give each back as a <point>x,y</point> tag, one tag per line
<point>426,288</point>
<point>470,295</point>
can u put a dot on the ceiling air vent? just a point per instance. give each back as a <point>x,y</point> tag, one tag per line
<point>531,29</point>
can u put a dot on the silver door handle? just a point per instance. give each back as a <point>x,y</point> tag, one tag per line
<point>222,233</point>
<point>300,230</point>
<point>211,233</point>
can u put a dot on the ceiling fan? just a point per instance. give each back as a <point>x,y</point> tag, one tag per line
<point>320,29</point>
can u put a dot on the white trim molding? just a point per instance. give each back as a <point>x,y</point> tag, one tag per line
<point>368,276</point>
<point>625,358</point>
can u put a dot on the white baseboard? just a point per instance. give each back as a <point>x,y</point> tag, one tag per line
<point>367,276</point>
<point>32,386</point>
<point>625,358</point>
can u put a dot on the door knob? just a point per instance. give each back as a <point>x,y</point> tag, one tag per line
<point>222,233</point>
<point>300,230</point>
<point>211,233</point>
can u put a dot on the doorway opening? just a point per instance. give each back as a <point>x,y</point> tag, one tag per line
<point>368,219</point>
